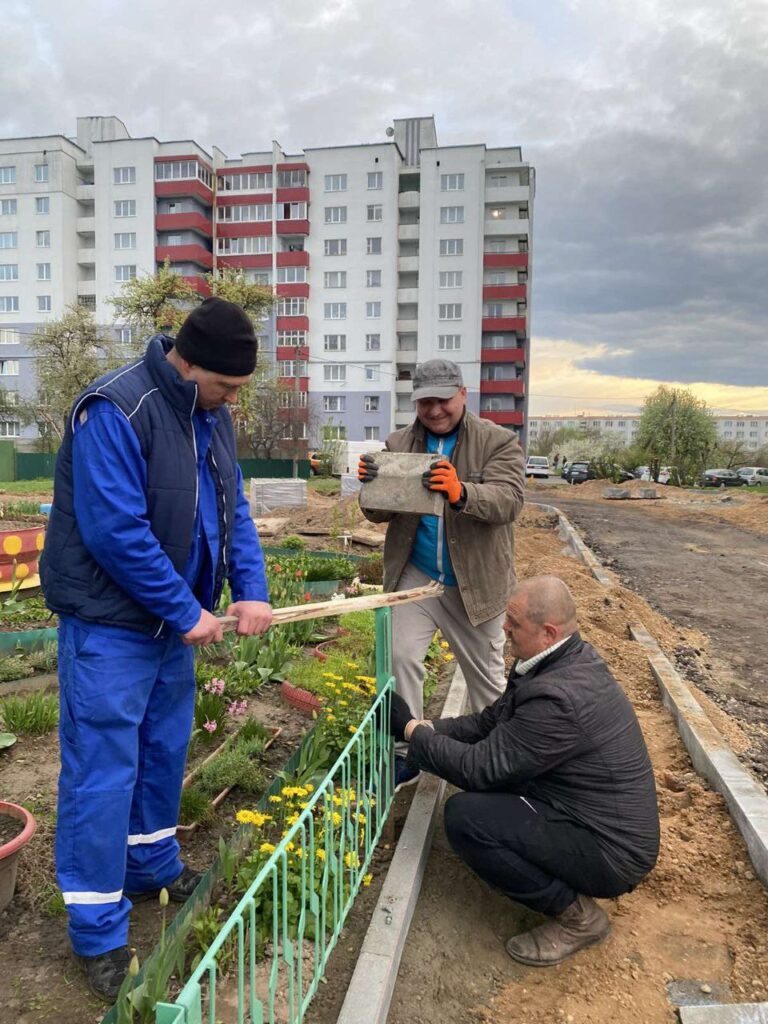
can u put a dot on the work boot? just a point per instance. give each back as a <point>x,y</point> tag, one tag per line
<point>179,891</point>
<point>404,774</point>
<point>106,972</point>
<point>582,924</point>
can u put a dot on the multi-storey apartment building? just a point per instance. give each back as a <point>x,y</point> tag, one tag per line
<point>380,256</point>
<point>751,429</point>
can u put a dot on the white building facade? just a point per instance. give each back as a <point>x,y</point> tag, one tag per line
<point>750,429</point>
<point>380,256</point>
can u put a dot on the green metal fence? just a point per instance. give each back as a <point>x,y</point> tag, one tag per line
<point>274,468</point>
<point>270,955</point>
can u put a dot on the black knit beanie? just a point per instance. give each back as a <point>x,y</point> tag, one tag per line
<point>218,335</point>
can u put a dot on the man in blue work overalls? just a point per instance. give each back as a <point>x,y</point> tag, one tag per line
<point>148,521</point>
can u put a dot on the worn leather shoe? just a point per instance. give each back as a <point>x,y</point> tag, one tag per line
<point>179,891</point>
<point>105,973</point>
<point>582,924</point>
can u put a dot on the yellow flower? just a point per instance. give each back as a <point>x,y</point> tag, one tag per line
<point>244,817</point>
<point>330,717</point>
<point>320,854</point>
<point>367,879</point>
<point>337,801</point>
<point>275,799</point>
<point>343,703</point>
<point>267,848</point>
<point>447,657</point>
<point>444,645</point>
<point>361,818</point>
<point>351,860</point>
<point>336,818</point>
<point>366,679</point>
<point>290,846</point>
<point>353,728</point>
<point>309,787</point>
<point>352,664</point>
<point>300,852</point>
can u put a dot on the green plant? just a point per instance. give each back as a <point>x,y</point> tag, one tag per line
<point>233,767</point>
<point>252,729</point>
<point>21,510</point>
<point>210,709</point>
<point>371,569</point>
<point>195,806</point>
<point>256,660</point>
<point>295,542</point>
<point>7,739</point>
<point>17,666</point>
<point>33,715</point>
<point>46,658</point>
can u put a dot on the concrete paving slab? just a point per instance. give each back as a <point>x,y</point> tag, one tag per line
<point>725,1013</point>
<point>397,486</point>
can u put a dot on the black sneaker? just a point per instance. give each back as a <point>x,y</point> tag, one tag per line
<point>404,775</point>
<point>106,972</point>
<point>178,891</point>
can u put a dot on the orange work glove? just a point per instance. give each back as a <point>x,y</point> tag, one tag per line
<point>441,476</point>
<point>366,469</point>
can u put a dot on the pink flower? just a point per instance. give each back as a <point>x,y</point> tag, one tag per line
<point>299,574</point>
<point>237,707</point>
<point>210,726</point>
<point>216,687</point>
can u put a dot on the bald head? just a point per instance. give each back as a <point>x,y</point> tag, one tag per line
<point>540,613</point>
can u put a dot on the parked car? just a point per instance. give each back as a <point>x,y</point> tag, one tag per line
<point>754,475</point>
<point>537,465</point>
<point>578,472</point>
<point>721,478</point>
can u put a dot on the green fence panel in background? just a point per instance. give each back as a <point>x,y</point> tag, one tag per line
<point>7,461</point>
<point>268,468</point>
<point>35,465</point>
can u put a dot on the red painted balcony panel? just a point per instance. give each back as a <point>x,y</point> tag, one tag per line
<point>184,222</point>
<point>295,258</point>
<point>293,227</point>
<point>184,187</point>
<point>292,323</point>
<point>260,259</point>
<point>502,355</point>
<point>294,414</point>
<point>290,382</point>
<point>504,417</point>
<point>504,291</point>
<point>299,289</point>
<point>505,259</point>
<point>200,285</point>
<point>291,352</point>
<point>247,229</point>
<point>293,167</point>
<point>299,194</point>
<point>502,387</point>
<point>184,254</point>
<point>497,324</point>
<point>244,199</point>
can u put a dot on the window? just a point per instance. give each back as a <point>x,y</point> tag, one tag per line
<point>255,181</point>
<point>291,179</point>
<point>42,204</point>
<point>371,403</point>
<point>371,433</point>
<point>335,247</point>
<point>292,368</point>
<point>334,403</point>
<point>334,432</point>
<point>8,207</point>
<point>8,239</point>
<point>244,246</point>
<point>375,179</point>
<point>125,272</point>
<point>496,277</point>
<point>44,303</point>
<point>335,279</point>
<point>125,207</point>
<point>41,173</point>
<point>7,175</point>
<point>43,271</point>
<point>43,239</point>
<point>451,182</point>
<point>9,336</point>
<point>9,303</point>
<point>292,339</point>
<point>374,212</point>
<point>334,343</point>
<point>497,181</point>
<point>522,276</point>
<point>494,309</point>
<point>373,246</point>
<point>126,175</point>
<point>335,183</point>
<point>291,275</point>
<point>9,271</point>
<point>451,278</point>
<point>293,400</point>
<point>291,305</point>
<point>244,212</point>
<point>335,215</point>
<point>373,343</point>
<point>335,310</point>
<point>174,170</point>
<point>497,213</point>
<point>125,335</point>
<point>295,432</point>
<point>451,246</point>
<point>372,310</point>
<point>449,311</point>
<point>336,372</point>
<point>126,240</point>
<point>87,302</point>
<point>373,279</point>
<point>449,342</point>
<point>371,372</point>
<point>9,367</point>
<point>10,428</point>
<point>291,211</point>
<point>451,214</point>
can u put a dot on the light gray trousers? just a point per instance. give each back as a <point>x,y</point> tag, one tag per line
<point>479,650</point>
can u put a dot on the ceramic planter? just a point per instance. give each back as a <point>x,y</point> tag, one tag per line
<point>9,852</point>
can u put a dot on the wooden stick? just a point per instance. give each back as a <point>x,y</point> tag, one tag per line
<point>322,609</point>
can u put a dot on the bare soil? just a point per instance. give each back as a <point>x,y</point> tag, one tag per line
<point>9,828</point>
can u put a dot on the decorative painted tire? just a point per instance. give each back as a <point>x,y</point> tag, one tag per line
<point>9,852</point>
<point>301,699</point>
<point>19,552</point>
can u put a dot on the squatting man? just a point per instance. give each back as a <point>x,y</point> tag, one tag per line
<point>558,803</point>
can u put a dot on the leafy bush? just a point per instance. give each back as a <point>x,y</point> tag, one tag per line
<point>34,715</point>
<point>15,667</point>
<point>46,658</point>
<point>371,569</point>
<point>295,542</point>
<point>235,766</point>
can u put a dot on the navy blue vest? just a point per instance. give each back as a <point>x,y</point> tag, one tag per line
<point>159,405</point>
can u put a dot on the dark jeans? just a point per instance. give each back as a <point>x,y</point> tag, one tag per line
<point>534,854</point>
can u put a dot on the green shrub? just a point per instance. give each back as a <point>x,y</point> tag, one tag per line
<point>233,767</point>
<point>33,715</point>
<point>294,541</point>
<point>195,806</point>
<point>46,658</point>
<point>371,569</point>
<point>15,667</point>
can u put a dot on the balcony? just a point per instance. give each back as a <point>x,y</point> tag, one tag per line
<point>285,352</point>
<point>86,257</point>
<point>504,291</point>
<point>243,229</point>
<point>499,324</point>
<point>295,258</point>
<point>86,286</point>
<point>408,264</point>
<point>293,227</point>
<point>507,193</point>
<point>292,323</point>
<point>184,222</point>
<point>502,355</point>
<point>403,387</point>
<point>86,225</point>
<point>406,326</point>
<point>502,387</point>
<point>510,225</point>
<point>85,193</point>
<point>505,259</point>
<point>504,417</point>
<point>254,259</point>
<point>408,296</point>
<point>184,254</point>
<point>408,232</point>
<point>199,284</point>
<point>301,290</point>
<point>184,187</point>
<point>408,200</point>
<point>299,194</point>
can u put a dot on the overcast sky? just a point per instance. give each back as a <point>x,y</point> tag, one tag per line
<point>645,119</point>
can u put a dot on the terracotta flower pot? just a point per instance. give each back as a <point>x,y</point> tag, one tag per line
<point>303,700</point>
<point>9,852</point>
<point>22,547</point>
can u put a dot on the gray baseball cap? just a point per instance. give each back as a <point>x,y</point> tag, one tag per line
<point>437,378</point>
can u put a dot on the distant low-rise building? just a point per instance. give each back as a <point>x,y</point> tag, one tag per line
<point>751,429</point>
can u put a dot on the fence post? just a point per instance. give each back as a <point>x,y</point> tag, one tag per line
<point>383,647</point>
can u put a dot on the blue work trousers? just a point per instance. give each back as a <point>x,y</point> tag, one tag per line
<point>126,709</point>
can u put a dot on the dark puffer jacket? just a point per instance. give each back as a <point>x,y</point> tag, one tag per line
<point>563,733</point>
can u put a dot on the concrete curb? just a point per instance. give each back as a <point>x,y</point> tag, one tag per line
<point>373,981</point>
<point>725,1013</point>
<point>712,757</point>
<point>577,545</point>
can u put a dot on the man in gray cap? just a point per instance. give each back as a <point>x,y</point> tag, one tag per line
<point>478,469</point>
